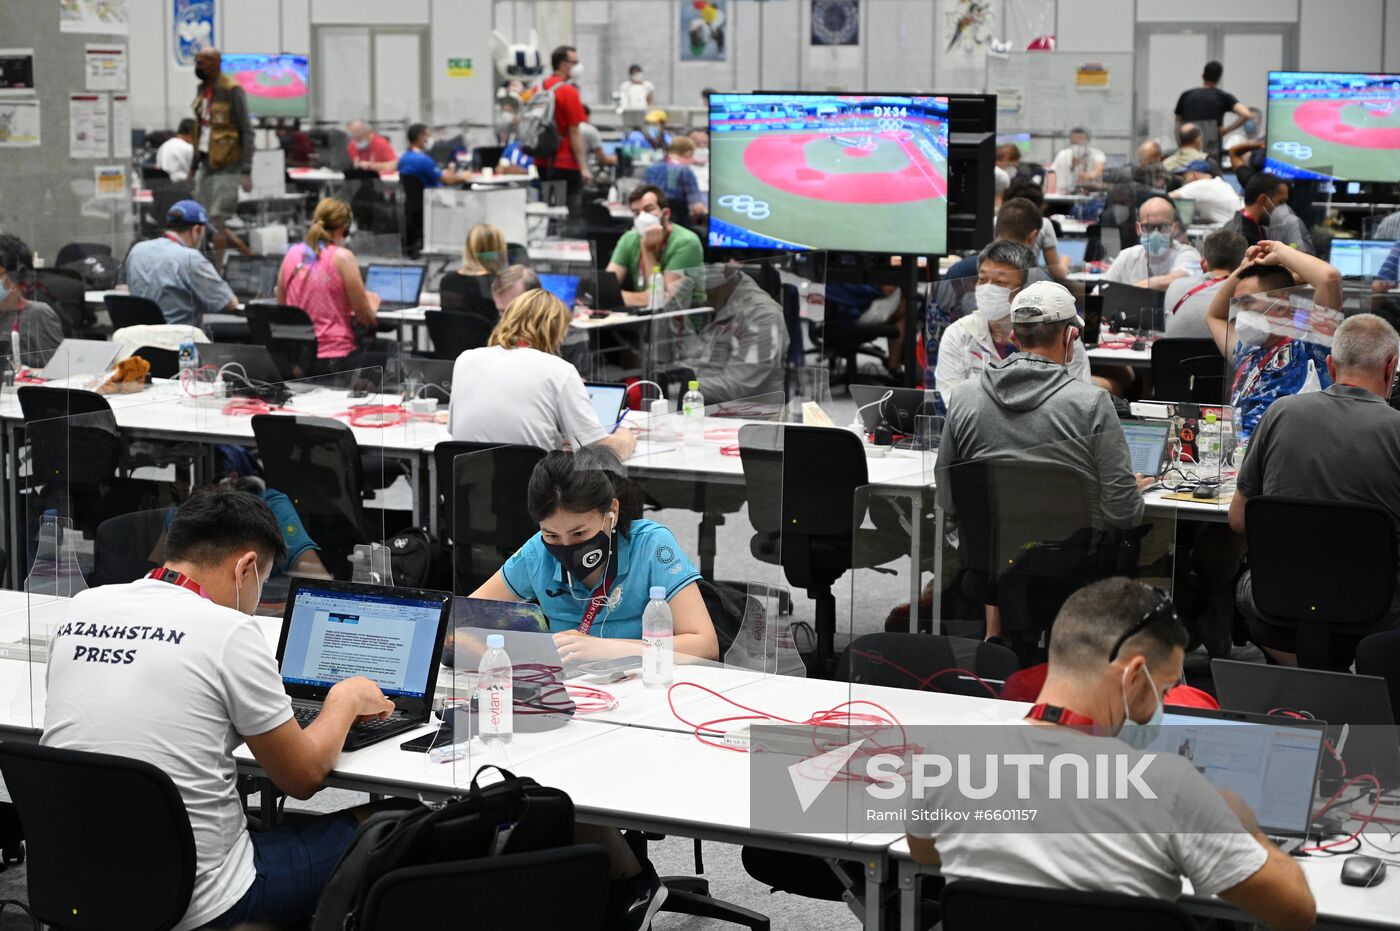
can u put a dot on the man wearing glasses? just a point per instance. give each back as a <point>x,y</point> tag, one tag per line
<point>1158,259</point>
<point>1115,651</point>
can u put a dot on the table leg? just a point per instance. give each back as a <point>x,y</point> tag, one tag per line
<point>911,905</point>
<point>17,520</point>
<point>431,470</point>
<point>876,876</point>
<point>936,620</point>
<point>916,575</point>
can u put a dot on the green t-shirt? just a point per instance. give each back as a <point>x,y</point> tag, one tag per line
<point>683,253</point>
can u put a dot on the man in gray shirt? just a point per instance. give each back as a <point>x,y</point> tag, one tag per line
<point>1341,444</point>
<point>171,271</point>
<point>1188,298</point>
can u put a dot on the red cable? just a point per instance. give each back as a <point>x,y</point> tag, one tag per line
<point>924,681</point>
<point>1364,821</point>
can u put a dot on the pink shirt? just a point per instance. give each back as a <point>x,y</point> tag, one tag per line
<point>313,283</point>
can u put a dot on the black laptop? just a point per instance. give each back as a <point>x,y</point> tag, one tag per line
<point>254,361</point>
<point>334,630</point>
<point>252,276</point>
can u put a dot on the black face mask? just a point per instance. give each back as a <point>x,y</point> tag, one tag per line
<point>582,559</point>
<point>201,73</point>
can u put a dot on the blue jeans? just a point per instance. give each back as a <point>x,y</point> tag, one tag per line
<point>293,863</point>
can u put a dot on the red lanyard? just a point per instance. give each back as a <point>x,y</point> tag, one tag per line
<point>595,604</point>
<point>178,578</point>
<point>18,311</point>
<point>1194,291</point>
<point>1057,715</point>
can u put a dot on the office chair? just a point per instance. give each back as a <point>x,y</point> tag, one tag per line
<point>497,892</point>
<point>77,251</point>
<point>129,310</point>
<point>470,294</point>
<point>128,546</point>
<point>411,190</point>
<point>454,333</point>
<point>66,292</point>
<point>928,663</point>
<point>843,343</point>
<point>1328,595</point>
<point>801,487</point>
<point>1379,655</point>
<point>316,462</point>
<point>134,867</point>
<point>165,363</point>
<point>976,904</point>
<point>481,493</point>
<point>289,336</point>
<point>1188,370</point>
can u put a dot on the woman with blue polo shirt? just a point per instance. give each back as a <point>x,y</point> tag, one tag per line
<point>593,562</point>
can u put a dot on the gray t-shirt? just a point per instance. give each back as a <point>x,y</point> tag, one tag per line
<point>1186,303</point>
<point>40,332</point>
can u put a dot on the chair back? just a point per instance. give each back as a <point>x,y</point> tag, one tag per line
<point>1379,655</point>
<point>66,292</point>
<point>501,892</point>
<point>1188,370</point>
<point>315,461</point>
<point>165,363</point>
<point>467,294</point>
<point>289,336</point>
<point>454,333</point>
<point>411,190</point>
<point>482,489</point>
<point>1302,579</point>
<point>77,251</point>
<point>128,546</point>
<point>117,852</point>
<point>970,904</point>
<point>129,310</point>
<point>927,662</point>
<point>72,435</point>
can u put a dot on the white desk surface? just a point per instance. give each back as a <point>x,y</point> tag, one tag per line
<point>330,174</point>
<point>1120,356</point>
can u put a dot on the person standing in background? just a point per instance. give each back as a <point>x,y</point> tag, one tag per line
<point>570,161</point>
<point>636,93</point>
<point>223,145</point>
<point>1209,104</point>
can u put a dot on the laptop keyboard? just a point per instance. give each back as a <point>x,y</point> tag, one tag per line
<point>305,714</point>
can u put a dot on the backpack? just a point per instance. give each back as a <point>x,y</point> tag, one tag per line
<point>460,830</point>
<point>538,136</point>
<point>412,557</point>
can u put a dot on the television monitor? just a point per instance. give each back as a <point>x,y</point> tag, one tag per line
<point>276,85</point>
<point>1359,258</point>
<point>840,172</point>
<point>1334,125</point>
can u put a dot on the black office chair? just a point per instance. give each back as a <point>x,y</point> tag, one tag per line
<point>467,294</point>
<point>497,892</point>
<point>845,343</point>
<point>289,336</point>
<point>1328,596</point>
<point>1188,370</point>
<point>481,490</point>
<point>66,292</point>
<point>1379,655</point>
<point>316,462</point>
<point>804,517</point>
<point>129,310</point>
<point>128,546</point>
<point>411,191</point>
<point>114,805</point>
<point>927,662</point>
<point>165,363</point>
<point>77,251</point>
<point>453,334</point>
<point>977,904</point>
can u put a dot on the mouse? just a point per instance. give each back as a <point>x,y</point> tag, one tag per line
<point>1362,871</point>
<point>1206,490</point>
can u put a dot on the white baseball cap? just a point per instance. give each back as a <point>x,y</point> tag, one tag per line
<point>1045,302</point>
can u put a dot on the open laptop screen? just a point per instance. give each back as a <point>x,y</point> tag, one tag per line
<point>564,287</point>
<point>399,284</point>
<point>607,401</point>
<point>333,633</point>
<point>1146,441</point>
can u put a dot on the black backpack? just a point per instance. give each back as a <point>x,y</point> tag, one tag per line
<point>460,830</point>
<point>413,557</point>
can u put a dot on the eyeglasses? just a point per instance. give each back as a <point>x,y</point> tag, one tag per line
<point>1161,608</point>
<point>1157,227</point>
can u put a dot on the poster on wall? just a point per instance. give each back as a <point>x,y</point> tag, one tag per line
<point>968,25</point>
<point>836,22</point>
<point>19,123</point>
<point>703,27</point>
<point>193,25</point>
<point>106,17</point>
<point>106,67</point>
<point>89,129</point>
<point>110,181</point>
<point>16,71</point>
<point>121,126</point>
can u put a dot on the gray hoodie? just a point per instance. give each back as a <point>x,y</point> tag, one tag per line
<point>1028,407</point>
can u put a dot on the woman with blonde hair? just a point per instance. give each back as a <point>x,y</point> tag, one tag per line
<point>517,389</point>
<point>322,277</point>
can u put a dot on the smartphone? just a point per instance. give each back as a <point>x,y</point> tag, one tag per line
<point>612,670</point>
<point>441,737</point>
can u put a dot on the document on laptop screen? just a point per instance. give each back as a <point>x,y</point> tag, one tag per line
<point>334,636</point>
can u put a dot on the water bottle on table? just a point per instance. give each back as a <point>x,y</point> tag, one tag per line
<point>693,412</point>
<point>656,299</point>
<point>495,692</point>
<point>658,648</point>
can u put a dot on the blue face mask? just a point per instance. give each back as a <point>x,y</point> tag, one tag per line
<point>1250,127</point>
<point>1140,736</point>
<point>1157,243</point>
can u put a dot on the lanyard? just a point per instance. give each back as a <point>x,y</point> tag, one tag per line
<point>1057,715</point>
<point>1193,292</point>
<point>595,604</point>
<point>178,578</point>
<point>18,311</point>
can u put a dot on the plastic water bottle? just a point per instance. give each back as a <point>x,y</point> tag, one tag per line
<point>495,692</point>
<point>693,410</point>
<point>657,298</point>
<point>658,647</point>
<point>189,359</point>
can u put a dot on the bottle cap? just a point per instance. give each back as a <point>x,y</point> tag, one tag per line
<point>495,641</point>
<point>657,593</point>
<point>694,386</point>
<point>1210,418</point>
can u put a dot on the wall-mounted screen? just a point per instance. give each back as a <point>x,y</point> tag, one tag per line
<point>276,85</point>
<point>1329,124</point>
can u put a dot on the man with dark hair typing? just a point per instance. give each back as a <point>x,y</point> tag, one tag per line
<point>169,670</point>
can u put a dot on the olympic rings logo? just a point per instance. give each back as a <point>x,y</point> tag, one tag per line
<point>1296,149</point>
<point>745,204</point>
<point>888,125</point>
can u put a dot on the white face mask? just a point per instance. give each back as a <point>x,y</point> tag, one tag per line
<point>645,221</point>
<point>576,72</point>
<point>1079,150</point>
<point>1252,328</point>
<point>993,301</point>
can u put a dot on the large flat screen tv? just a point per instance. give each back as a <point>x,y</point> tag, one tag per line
<point>276,85</point>
<point>1334,125</point>
<point>840,172</point>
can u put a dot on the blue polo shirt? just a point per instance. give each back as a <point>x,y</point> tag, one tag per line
<point>646,555</point>
<point>420,165</point>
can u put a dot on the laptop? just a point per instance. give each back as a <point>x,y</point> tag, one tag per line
<point>1073,251</point>
<point>897,407</point>
<point>564,287</point>
<point>1186,209</point>
<point>1129,307</point>
<point>255,361</point>
<point>524,626</point>
<point>1359,258</point>
<point>609,401</point>
<point>609,293</point>
<point>1147,445</point>
<point>1361,723</point>
<point>252,276</point>
<point>398,286</point>
<point>77,357</point>
<point>1271,762</point>
<point>334,630</point>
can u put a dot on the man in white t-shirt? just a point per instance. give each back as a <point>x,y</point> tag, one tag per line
<point>1077,165</point>
<point>1158,259</point>
<point>175,156</point>
<point>636,93</point>
<point>1215,200</point>
<point>1116,648</point>
<point>1188,299</point>
<point>170,670</point>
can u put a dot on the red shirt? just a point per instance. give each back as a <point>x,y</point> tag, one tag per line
<point>378,150</point>
<point>568,113</point>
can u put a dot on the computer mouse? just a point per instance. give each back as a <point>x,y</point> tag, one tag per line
<point>1362,871</point>
<point>1206,490</point>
